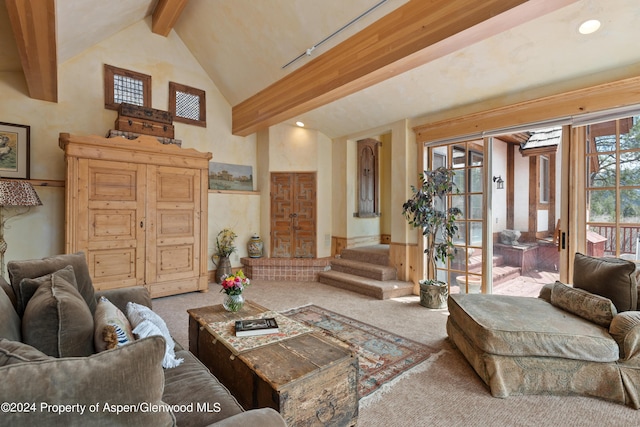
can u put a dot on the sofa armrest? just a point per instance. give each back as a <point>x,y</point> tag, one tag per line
<point>625,329</point>
<point>121,296</point>
<point>264,417</point>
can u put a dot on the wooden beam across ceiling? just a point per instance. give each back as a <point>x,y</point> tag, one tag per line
<point>34,28</point>
<point>165,16</point>
<point>412,35</point>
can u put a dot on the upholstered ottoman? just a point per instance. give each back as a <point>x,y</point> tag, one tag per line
<point>520,345</point>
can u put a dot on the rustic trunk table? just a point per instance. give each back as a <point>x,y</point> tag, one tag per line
<point>310,379</point>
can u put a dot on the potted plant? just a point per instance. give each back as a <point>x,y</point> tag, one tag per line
<point>427,208</point>
<point>224,248</point>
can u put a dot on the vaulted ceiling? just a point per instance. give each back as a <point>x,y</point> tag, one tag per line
<point>461,52</point>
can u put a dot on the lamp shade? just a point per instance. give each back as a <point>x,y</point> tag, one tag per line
<point>18,193</point>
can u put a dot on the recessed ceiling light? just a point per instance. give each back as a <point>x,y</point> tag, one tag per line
<point>590,26</point>
<point>300,124</point>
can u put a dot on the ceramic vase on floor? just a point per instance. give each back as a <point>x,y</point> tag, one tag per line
<point>233,303</point>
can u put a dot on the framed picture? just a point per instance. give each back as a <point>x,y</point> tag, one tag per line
<point>14,150</point>
<point>225,176</point>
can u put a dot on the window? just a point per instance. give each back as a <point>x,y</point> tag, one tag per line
<point>613,187</point>
<point>187,104</point>
<point>122,85</point>
<point>544,179</point>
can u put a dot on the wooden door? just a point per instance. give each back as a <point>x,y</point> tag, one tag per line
<point>293,215</point>
<point>173,237</point>
<point>111,221</point>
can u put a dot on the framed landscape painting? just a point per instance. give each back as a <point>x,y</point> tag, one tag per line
<point>226,176</point>
<point>14,150</point>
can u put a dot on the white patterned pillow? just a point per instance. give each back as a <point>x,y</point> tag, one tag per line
<point>146,323</point>
<point>112,328</point>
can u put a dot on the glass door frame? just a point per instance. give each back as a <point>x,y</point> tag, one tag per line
<point>426,162</point>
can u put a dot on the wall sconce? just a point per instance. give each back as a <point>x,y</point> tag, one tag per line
<point>14,194</point>
<point>499,182</point>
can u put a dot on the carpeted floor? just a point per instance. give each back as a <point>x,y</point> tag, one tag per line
<point>441,391</point>
<point>382,355</point>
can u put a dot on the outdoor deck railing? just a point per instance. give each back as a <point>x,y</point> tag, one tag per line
<point>628,238</point>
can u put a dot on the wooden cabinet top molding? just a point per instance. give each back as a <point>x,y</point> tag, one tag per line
<point>144,149</point>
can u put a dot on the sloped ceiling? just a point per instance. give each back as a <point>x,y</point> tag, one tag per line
<point>243,44</point>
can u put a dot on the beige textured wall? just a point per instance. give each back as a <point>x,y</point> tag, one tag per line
<point>80,110</point>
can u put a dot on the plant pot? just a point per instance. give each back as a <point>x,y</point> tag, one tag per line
<point>471,285</point>
<point>223,268</point>
<point>434,295</point>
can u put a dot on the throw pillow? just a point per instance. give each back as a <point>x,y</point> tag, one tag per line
<point>9,320</point>
<point>128,376</point>
<point>147,323</point>
<point>594,308</point>
<point>111,327</point>
<point>29,286</point>
<point>57,320</point>
<point>16,352</point>
<point>19,270</point>
<point>609,277</point>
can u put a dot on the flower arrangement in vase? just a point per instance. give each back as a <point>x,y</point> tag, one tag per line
<point>224,247</point>
<point>233,285</point>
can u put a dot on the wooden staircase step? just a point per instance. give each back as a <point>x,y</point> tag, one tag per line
<point>363,285</point>
<point>364,269</point>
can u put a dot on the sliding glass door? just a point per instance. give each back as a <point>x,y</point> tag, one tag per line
<point>509,188</point>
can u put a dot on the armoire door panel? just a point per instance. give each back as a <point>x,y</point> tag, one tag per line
<point>176,187</point>
<point>175,224</point>
<point>113,267</point>
<point>174,261</point>
<point>108,183</point>
<point>115,224</point>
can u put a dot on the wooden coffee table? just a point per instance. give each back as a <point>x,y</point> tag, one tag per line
<point>310,379</point>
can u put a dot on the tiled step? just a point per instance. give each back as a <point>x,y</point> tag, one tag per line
<point>370,287</point>
<point>505,273</point>
<point>364,269</point>
<point>377,254</point>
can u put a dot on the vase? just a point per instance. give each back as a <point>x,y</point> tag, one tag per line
<point>233,302</point>
<point>255,246</point>
<point>223,268</point>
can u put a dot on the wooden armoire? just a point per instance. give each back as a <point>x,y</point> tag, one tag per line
<point>138,209</point>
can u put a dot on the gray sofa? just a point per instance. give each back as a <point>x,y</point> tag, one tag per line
<point>572,340</point>
<point>52,375</point>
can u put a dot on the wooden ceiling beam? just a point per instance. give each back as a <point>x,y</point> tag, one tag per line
<point>412,35</point>
<point>34,27</point>
<point>165,16</point>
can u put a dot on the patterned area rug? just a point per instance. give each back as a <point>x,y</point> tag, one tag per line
<point>382,356</point>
